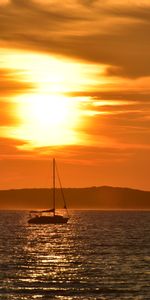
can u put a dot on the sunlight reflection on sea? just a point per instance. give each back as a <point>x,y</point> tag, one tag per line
<point>97,255</point>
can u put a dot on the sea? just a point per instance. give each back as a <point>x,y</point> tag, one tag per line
<point>98,255</point>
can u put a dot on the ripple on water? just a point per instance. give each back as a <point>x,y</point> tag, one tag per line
<point>98,255</point>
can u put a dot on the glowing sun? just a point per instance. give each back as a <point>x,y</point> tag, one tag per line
<point>47,120</point>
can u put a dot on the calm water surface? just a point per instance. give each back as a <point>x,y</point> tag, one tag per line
<point>98,255</point>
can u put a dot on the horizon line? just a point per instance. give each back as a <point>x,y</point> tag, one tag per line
<point>86,187</point>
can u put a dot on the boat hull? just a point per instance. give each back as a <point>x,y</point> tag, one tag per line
<point>48,220</point>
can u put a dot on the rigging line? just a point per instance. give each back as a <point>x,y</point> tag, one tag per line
<point>62,192</point>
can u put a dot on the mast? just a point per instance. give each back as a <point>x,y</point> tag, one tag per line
<point>54,185</point>
<point>65,205</point>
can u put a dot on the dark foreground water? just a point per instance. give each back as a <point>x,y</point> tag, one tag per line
<point>98,255</point>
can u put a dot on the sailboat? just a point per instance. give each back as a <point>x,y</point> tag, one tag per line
<point>51,217</point>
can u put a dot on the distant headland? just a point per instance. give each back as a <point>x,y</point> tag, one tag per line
<point>104,197</point>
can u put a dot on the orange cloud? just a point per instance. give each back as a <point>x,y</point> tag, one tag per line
<point>11,83</point>
<point>115,34</point>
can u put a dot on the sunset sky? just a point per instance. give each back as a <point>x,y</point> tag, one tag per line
<point>75,85</point>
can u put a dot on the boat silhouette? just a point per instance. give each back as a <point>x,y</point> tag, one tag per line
<point>51,217</point>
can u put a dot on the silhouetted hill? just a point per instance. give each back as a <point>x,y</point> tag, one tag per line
<point>81,198</point>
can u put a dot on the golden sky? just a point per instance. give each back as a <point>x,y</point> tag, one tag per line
<point>75,85</point>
